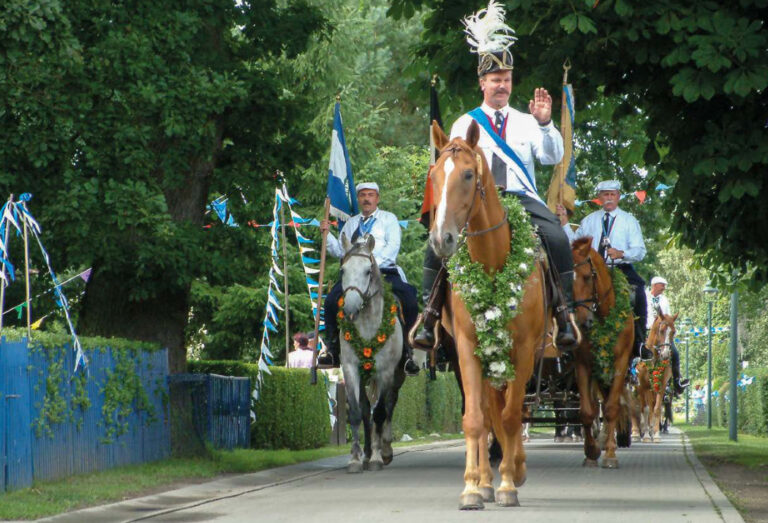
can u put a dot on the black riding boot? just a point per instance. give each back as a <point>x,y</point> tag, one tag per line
<point>329,358</point>
<point>410,367</point>
<point>425,337</point>
<point>567,338</point>
<point>679,384</point>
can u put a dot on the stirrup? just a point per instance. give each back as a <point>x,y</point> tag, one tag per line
<point>326,365</point>
<point>415,330</point>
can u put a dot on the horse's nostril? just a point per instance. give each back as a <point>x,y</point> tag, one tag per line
<point>448,238</point>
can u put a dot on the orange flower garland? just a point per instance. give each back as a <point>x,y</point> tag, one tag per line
<point>366,349</point>
<point>658,375</point>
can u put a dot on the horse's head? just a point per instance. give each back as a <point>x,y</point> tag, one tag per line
<point>360,276</point>
<point>457,178</point>
<point>591,282</point>
<point>661,335</point>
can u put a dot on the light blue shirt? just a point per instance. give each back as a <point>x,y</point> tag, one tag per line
<point>625,235</point>
<point>525,136</point>
<point>386,231</point>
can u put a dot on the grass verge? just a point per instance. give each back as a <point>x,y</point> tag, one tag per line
<point>713,444</point>
<point>54,497</point>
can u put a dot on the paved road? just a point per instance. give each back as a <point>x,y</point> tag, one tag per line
<point>655,483</point>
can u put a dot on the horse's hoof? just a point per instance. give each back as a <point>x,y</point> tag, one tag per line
<point>375,466</point>
<point>589,463</point>
<point>507,498</point>
<point>559,439</point>
<point>387,459</point>
<point>473,501</point>
<point>519,483</point>
<point>635,438</point>
<point>657,439</point>
<point>354,467</point>
<point>487,494</point>
<point>610,463</point>
<point>578,439</point>
<point>646,439</point>
<point>568,439</point>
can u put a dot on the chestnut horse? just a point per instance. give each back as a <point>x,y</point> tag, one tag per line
<point>468,206</point>
<point>595,296</point>
<point>642,404</point>
<point>658,371</point>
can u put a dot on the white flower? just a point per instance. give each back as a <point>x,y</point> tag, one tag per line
<point>528,251</point>
<point>498,367</point>
<point>523,267</point>
<point>480,323</point>
<point>492,313</point>
<point>512,303</point>
<point>490,350</point>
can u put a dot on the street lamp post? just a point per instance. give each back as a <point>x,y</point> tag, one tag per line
<point>709,292</point>
<point>734,375</point>
<point>687,324</point>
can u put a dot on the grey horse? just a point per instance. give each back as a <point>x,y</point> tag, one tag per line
<point>364,307</point>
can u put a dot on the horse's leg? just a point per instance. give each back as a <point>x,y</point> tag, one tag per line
<point>377,430</point>
<point>656,427</point>
<point>587,407</point>
<point>612,401</point>
<point>472,421</point>
<point>352,386</point>
<point>512,469</point>
<point>483,458</point>
<point>386,442</point>
<point>365,408</point>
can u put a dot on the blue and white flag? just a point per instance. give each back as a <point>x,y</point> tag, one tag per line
<point>341,183</point>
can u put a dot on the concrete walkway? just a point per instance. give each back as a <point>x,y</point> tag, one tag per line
<point>655,483</point>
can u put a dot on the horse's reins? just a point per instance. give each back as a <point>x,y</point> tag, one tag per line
<point>464,232</point>
<point>364,295</point>
<point>595,299</point>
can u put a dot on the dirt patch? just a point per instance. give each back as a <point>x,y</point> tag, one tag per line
<point>746,488</point>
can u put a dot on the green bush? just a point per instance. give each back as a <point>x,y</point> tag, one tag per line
<point>753,404</point>
<point>426,406</point>
<point>290,413</point>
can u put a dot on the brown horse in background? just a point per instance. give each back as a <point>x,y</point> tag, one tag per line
<point>469,206</point>
<point>659,370</point>
<point>595,296</point>
<point>642,403</point>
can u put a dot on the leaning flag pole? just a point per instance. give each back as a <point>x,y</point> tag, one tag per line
<point>26,274</point>
<point>320,292</point>
<point>286,295</point>
<point>4,283</point>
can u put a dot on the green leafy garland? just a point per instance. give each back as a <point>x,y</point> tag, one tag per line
<point>605,332</point>
<point>366,350</point>
<point>493,299</point>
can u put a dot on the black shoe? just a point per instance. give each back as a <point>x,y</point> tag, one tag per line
<point>325,360</point>
<point>424,339</point>
<point>566,339</point>
<point>410,368</point>
<point>680,385</point>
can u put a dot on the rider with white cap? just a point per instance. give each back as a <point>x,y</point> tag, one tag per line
<point>385,228</point>
<point>658,302</point>
<point>616,235</point>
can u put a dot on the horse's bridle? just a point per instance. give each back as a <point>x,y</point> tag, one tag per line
<point>465,232</point>
<point>592,302</point>
<point>363,294</point>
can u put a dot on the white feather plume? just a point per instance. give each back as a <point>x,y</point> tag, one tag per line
<point>487,31</point>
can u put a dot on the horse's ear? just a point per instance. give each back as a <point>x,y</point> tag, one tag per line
<point>660,314</point>
<point>346,245</point>
<point>674,318</point>
<point>438,136</point>
<point>473,134</point>
<point>370,241</point>
<point>582,246</point>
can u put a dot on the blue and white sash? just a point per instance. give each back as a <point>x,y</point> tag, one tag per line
<point>527,181</point>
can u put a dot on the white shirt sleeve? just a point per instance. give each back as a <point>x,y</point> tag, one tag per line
<point>387,254</point>
<point>547,143</point>
<point>333,245</point>
<point>635,250</point>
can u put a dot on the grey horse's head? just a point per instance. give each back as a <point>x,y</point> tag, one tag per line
<point>360,277</point>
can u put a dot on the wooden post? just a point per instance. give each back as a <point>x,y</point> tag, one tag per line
<point>313,373</point>
<point>285,278</point>
<point>2,285</point>
<point>26,274</point>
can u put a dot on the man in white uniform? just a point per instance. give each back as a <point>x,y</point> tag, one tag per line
<point>616,235</point>
<point>385,228</point>
<point>511,140</point>
<point>658,302</point>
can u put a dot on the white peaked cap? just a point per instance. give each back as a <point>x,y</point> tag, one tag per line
<point>367,185</point>
<point>609,185</point>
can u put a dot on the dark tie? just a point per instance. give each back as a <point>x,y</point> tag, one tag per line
<point>604,236</point>
<point>362,228</point>
<point>498,167</point>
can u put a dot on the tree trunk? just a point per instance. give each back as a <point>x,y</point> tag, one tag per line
<point>162,319</point>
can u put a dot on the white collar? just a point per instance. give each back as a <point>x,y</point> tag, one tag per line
<point>490,111</point>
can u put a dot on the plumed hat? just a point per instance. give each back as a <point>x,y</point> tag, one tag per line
<point>490,37</point>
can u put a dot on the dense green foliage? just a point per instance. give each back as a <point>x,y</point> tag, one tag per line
<point>752,408</point>
<point>697,71</point>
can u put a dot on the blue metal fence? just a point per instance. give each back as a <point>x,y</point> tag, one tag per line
<point>221,407</point>
<point>79,440</point>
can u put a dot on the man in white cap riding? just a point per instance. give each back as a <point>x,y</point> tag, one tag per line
<point>657,302</point>
<point>384,227</point>
<point>511,140</point>
<point>616,235</point>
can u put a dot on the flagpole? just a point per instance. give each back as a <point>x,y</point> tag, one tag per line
<point>285,267</point>
<point>432,156</point>
<point>563,115</point>
<point>4,283</point>
<point>26,273</point>
<point>313,373</point>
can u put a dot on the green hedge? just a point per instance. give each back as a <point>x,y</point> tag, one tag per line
<point>290,412</point>
<point>753,404</point>
<point>293,414</point>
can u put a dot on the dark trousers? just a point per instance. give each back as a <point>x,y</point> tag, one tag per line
<point>640,309</point>
<point>675,357</point>
<point>551,233</point>
<point>405,292</point>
